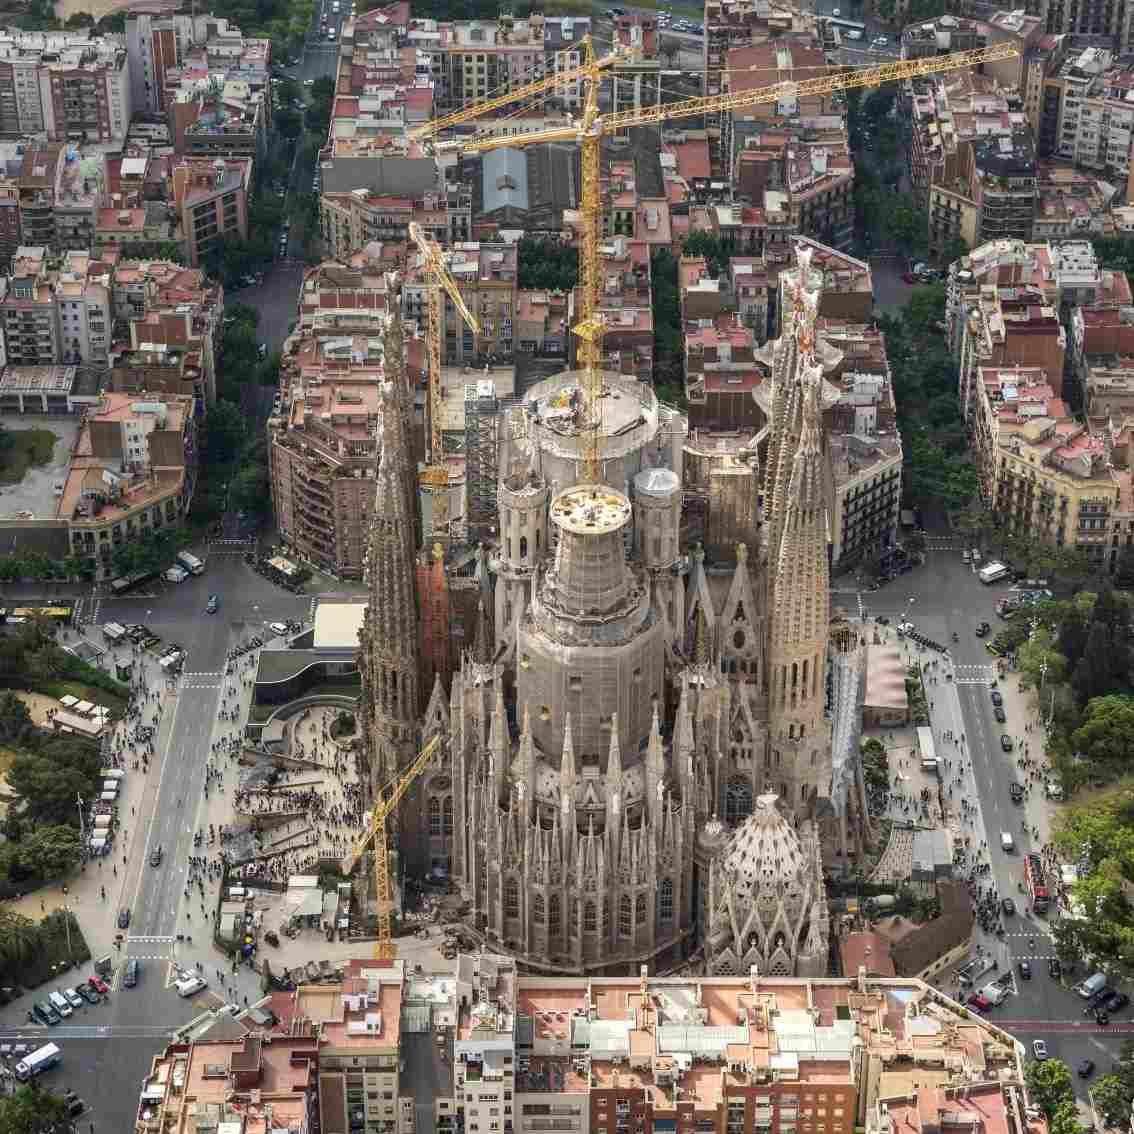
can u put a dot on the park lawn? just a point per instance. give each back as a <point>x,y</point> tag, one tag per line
<point>22,449</point>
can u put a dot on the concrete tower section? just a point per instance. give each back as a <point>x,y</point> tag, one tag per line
<point>590,647</point>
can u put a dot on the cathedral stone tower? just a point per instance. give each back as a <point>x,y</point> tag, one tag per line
<point>389,656</point>
<point>614,749</point>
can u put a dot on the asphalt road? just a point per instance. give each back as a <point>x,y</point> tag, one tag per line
<point>941,598</point>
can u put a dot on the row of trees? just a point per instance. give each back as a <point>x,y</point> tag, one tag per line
<point>669,343</point>
<point>938,467</point>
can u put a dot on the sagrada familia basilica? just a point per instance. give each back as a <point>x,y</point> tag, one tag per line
<point>645,761</point>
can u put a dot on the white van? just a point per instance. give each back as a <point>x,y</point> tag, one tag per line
<point>1094,983</point>
<point>60,1004</point>
<point>1007,843</point>
<point>190,986</point>
<point>1054,789</point>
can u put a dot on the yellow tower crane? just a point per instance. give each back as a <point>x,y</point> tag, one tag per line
<point>435,477</point>
<point>385,806</point>
<point>589,129</point>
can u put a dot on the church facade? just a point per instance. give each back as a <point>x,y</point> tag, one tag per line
<point>638,750</point>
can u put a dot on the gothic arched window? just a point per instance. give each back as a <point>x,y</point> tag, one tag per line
<point>523,547</point>
<point>624,909</point>
<point>448,815</point>
<point>538,911</point>
<point>435,816</point>
<point>606,917</point>
<point>665,901</point>
<point>511,898</point>
<point>738,801</point>
<point>640,910</point>
<point>553,915</point>
<point>590,923</point>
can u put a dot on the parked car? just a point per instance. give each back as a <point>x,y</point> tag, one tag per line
<point>99,985</point>
<point>1005,742</point>
<point>73,998</point>
<point>1016,791</point>
<point>87,993</point>
<point>996,697</point>
<point>212,605</point>
<point>123,919</point>
<point>980,1003</point>
<point>1086,1068</point>
<point>1008,906</point>
<point>1054,968</point>
<point>1025,969</point>
<point>999,714</point>
<point>1115,1002</point>
<point>155,856</point>
<point>1039,1050</point>
<point>130,973</point>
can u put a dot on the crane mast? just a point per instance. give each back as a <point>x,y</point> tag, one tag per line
<point>435,476</point>
<point>385,806</point>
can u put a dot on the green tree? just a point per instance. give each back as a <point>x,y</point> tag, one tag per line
<point>1094,675</point>
<point>1106,736</point>
<point>1065,1120</point>
<point>1112,1098</point>
<point>1049,1084</point>
<point>955,248</point>
<point>19,937</point>
<point>225,429</point>
<point>250,490</point>
<point>48,791</point>
<point>15,719</point>
<point>32,1111</point>
<point>51,851</point>
<point>1039,660</point>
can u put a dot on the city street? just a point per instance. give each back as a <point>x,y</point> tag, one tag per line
<point>942,597</point>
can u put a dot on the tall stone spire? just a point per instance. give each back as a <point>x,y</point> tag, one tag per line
<point>394,367</point>
<point>800,615</point>
<point>389,659</point>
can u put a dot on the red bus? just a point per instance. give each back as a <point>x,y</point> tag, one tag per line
<point>1036,883</point>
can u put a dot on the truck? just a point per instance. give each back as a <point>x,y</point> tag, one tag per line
<point>38,1061</point>
<point>1036,883</point>
<point>991,572</point>
<point>972,970</point>
<point>176,574</point>
<point>191,563</point>
<point>994,992</point>
<point>113,632</point>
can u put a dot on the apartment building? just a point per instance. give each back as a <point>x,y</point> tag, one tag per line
<point>210,198</point>
<point>721,372</point>
<point>753,230</point>
<point>972,160</point>
<point>1071,204</point>
<point>31,319</point>
<point>133,470</point>
<point>864,444</point>
<point>67,85</point>
<point>1003,304</point>
<point>323,449</point>
<point>848,284</point>
<point>254,1083</point>
<point>1087,114</point>
<point>1111,22</point>
<point>359,1025</point>
<point>1109,387</point>
<point>344,299</point>
<point>762,65</point>
<point>1047,476</point>
<point>625,306</point>
<point>166,308</point>
<point>83,300</point>
<point>470,59</point>
<point>486,275</point>
<point>747,288</point>
<point>541,322</point>
<point>350,219</point>
<point>730,24</point>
